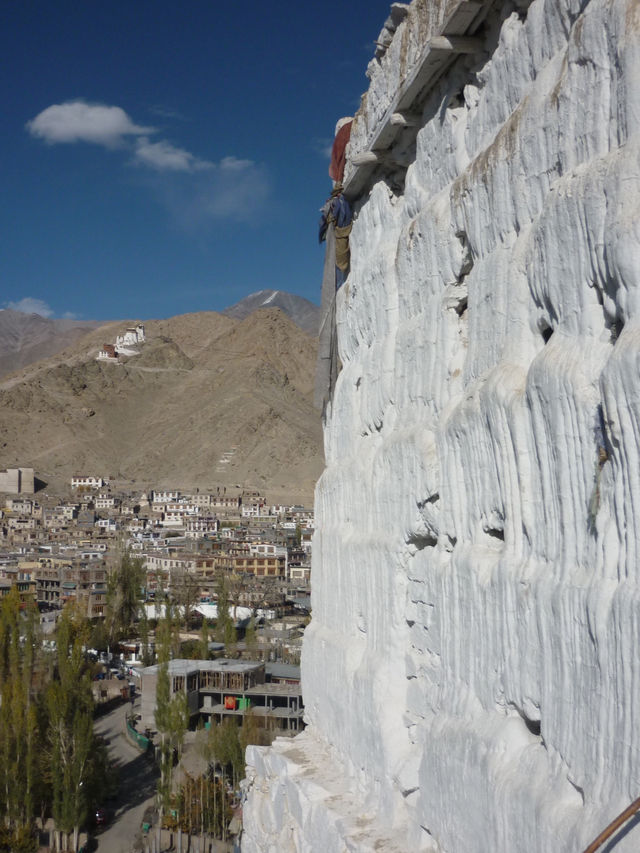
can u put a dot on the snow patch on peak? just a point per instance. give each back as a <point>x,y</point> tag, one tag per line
<point>271,297</point>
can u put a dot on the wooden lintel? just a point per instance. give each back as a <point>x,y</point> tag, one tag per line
<point>456,38</point>
<point>456,44</point>
<point>367,158</point>
<point>406,119</point>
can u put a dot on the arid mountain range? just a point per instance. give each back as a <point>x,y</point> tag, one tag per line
<point>210,401</point>
<point>25,338</point>
<point>301,311</point>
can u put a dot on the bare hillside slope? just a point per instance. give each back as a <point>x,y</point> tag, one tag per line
<point>209,401</point>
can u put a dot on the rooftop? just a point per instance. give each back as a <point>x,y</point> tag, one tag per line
<point>186,667</point>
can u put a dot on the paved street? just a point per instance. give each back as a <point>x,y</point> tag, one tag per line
<point>137,775</point>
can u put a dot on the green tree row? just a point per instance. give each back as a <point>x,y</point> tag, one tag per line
<point>51,763</point>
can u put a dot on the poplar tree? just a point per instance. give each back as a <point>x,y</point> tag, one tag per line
<point>171,712</point>
<point>19,730</point>
<point>124,590</point>
<point>204,640</point>
<point>50,760</point>
<point>72,743</point>
<point>146,654</point>
<point>250,637</point>
<point>225,630</point>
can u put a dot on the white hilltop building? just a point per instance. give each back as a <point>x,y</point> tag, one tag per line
<point>125,344</point>
<point>131,337</point>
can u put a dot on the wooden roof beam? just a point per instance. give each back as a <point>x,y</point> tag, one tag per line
<point>456,44</point>
<point>406,119</point>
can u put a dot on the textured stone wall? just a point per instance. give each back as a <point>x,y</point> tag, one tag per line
<point>471,672</point>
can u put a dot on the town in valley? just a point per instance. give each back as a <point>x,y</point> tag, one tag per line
<point>179,616</point>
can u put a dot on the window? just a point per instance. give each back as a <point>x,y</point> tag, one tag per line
<point>178,683</point>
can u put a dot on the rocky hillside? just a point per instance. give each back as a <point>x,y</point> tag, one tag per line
<point>304,313</point>
<point>209,401</point>
<point>25,338</point>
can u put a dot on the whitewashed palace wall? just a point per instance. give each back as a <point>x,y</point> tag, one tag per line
<point>472,669</point>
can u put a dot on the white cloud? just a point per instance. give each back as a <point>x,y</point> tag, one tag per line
<point>196,191</point>
<point>30,305</point>
<point>163,156</point>
<point>79,121</point>
<point>234,164</point>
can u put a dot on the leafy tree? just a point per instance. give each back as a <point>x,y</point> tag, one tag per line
<point>204,640</point>
<point>250,732</point>
<point>146,653</point>
<point>171,713</point>
<point>124,596</point>
<point>225,629</point>
<point>19,840</point>
<point>72,743</point>
<point>187,592</point>
<point>50,759</point>
<point>99,638</point>
<point>20,734</point>
<point>250,637</point>
<point>227,749</point>
<point>203,806</point>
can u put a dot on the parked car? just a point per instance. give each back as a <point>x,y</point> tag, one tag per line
<point>100,816</point>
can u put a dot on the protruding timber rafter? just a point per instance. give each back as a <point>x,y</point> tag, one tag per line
<point>455,39</point>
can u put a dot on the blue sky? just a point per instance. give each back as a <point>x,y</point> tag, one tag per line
<point>161,158</point>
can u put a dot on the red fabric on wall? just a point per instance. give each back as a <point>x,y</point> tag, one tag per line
<point>338,158</point>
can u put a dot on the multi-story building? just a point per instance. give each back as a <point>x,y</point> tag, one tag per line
<point>261,565</point>
<point>200,525</point>
<point>164,496</point>
<point>200,500</point>
<point>108,525</point>
<point>20,522</point>
<point>221,689</point>
<point>106,501</point>
<point>87,585</point>
<point>222,502</point>
<point>22,506</point>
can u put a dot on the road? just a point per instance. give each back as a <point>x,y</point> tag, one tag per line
<point>138,776</point>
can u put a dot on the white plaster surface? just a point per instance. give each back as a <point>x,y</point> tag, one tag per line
<point>477,553</point>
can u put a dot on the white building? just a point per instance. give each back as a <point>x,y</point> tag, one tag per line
<point>109,525</point>
<point>22,505</point>
<point>161,496</point>
<point>82,481</point>
<point>254,511</point>
<point>199,500</point>
<point>131,337</point>
<point>105,502</point>
<point>198,526</point>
